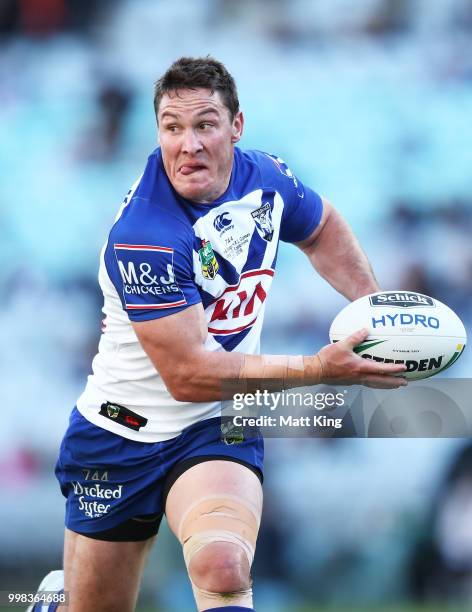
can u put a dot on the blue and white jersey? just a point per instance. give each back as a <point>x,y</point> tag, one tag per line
<point>165,253</point>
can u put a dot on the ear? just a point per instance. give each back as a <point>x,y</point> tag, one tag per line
<point>237,127</point>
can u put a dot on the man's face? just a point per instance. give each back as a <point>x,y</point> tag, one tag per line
<point>197,138</point>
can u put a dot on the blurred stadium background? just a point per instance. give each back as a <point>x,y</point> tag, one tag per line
<point>368,102</point>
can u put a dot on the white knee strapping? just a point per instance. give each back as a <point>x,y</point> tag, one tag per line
<point>217,518</point>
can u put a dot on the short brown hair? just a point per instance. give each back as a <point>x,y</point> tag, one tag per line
<point>194,72</point>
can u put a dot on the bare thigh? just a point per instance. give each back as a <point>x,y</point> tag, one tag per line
<point>102,576</point>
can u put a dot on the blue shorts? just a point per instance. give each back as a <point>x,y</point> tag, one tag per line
<point>108,480</point>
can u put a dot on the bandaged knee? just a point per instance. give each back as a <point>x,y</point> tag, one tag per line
<point>219,519</point>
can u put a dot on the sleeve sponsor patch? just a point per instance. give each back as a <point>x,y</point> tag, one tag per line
<point>147,274</point>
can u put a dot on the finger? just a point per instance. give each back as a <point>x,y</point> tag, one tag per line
<point>374,367</point>
<point>384,382</point>
<point>356,338</point>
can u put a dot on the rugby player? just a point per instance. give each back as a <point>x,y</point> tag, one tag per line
<point>185,274</point>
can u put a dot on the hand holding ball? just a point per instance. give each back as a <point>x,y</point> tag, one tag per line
<point>404,328</point>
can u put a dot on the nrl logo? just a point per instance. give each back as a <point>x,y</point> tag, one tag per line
<point>263,220</point>
<point>231,434</point>
<point>113,411</point>
<point>208,260</point>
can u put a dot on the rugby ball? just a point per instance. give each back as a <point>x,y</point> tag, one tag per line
<point>404,327</point>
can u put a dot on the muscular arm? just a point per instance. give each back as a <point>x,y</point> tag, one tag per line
<point>176,343</point>
<point>335,253</point>
<point>176,346</point>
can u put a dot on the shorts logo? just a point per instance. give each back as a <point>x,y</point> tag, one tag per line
<point>122,415</point>
<point>93,498</point>
<point>147,274</point>
<point>230,433</point>
<point>208,260</point>
<point>263,220</point>
<point>404,299</point>
<point>222,221</point>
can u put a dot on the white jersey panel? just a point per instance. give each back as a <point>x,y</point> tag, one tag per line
<point>221,255</point>
<point>124,374</point>
<point>122,371</point>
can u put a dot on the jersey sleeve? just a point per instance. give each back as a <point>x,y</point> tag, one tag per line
<point>303,207</point>
<point>151,266</point>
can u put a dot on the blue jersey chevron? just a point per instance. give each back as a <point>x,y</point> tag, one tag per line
<point>165,253</point>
